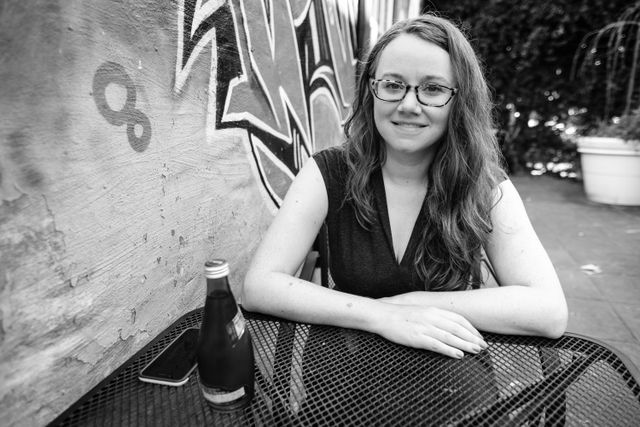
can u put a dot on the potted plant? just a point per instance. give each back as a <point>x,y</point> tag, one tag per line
<point>610,154</point>
<point>610,159</point>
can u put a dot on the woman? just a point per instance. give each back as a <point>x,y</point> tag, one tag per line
<point>411,199</point>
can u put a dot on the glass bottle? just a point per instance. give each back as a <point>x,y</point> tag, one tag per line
<point>225,352</point>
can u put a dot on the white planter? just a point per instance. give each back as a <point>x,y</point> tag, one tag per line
<point>611,170</point>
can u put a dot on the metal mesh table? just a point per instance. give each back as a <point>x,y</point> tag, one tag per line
<point>319,375</point>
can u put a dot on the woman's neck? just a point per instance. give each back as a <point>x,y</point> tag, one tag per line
<point>407,170</point>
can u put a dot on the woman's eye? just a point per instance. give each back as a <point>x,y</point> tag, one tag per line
<point>431,89</point>
<point>392,86</point>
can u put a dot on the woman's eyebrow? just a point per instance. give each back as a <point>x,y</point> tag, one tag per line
<point>394,76</point>
<point>424,79</point>
<point>434,78</point>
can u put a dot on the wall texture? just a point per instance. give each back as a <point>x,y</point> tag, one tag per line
<point>137,140</point>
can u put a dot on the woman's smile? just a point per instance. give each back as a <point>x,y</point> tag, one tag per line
<point>409,125</point>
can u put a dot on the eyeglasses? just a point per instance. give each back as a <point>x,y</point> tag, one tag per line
<point>429,94</point>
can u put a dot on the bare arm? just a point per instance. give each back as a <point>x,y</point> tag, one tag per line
<point>270,285</point>
<point>530,300</point>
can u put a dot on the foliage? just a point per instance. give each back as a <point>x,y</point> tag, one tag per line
<point>528,49</point>
<point>627,127</point>
<point>610,55</point>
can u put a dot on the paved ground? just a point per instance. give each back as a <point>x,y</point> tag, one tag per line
<point>577,232</point>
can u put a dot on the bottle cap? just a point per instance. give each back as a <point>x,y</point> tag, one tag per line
<point>216,269</point>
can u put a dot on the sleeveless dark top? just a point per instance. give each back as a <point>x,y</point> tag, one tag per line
<point>361,261</point>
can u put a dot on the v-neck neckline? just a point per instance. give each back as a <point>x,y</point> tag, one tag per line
<point>383,214</point>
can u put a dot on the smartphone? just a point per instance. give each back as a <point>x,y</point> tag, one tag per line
<point>175,363</point>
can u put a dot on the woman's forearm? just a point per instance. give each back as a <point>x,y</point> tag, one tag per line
<point>515,309</point>
<point>289,297</point>
<point>429,328</point>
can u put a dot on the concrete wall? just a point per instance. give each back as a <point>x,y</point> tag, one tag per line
<point>137,140</point>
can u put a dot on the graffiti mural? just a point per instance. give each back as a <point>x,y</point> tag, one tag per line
<point>284,71</point>
<point>113,73</point>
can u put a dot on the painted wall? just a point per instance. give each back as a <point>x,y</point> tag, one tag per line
<point>137,140</point>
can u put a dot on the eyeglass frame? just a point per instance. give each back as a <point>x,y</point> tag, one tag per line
<point>372,81</point>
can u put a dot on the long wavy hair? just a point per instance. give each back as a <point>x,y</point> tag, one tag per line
<point>465,171</point>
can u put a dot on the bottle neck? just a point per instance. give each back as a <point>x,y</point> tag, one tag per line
<point>218,285</point>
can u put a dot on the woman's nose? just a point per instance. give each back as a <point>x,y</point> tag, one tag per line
<point>409,103</point>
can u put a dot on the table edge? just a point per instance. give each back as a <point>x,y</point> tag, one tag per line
<point>629,364</point>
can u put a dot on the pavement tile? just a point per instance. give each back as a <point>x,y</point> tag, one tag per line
<point>592,251</point>
<point>630,315</point>
<point>622,264</point>
<point>597,319</point>
<point>618,288</point>
<point>577,284</point>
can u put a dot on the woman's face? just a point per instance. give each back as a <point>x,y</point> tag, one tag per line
<point>407,126</point>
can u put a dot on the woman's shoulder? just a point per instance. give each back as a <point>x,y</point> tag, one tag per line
<point>330,154</point>
<point>331,160</point>
<point>333,167</point>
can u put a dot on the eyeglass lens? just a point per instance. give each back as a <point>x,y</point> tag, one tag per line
<point>429,94</point>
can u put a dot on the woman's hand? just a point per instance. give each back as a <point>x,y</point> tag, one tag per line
<point>429,328</point>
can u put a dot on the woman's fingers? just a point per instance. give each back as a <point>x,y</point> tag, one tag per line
<point>451,339</point>
<point>431,328</point>
<point>462,321</point>
<point>462,328</point>
<point>469,345</point>
<point>437,346</point>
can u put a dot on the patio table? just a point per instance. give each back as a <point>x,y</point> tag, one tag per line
<point>321,375</point>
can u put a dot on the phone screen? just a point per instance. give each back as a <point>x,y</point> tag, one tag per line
<point>174,364</point>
